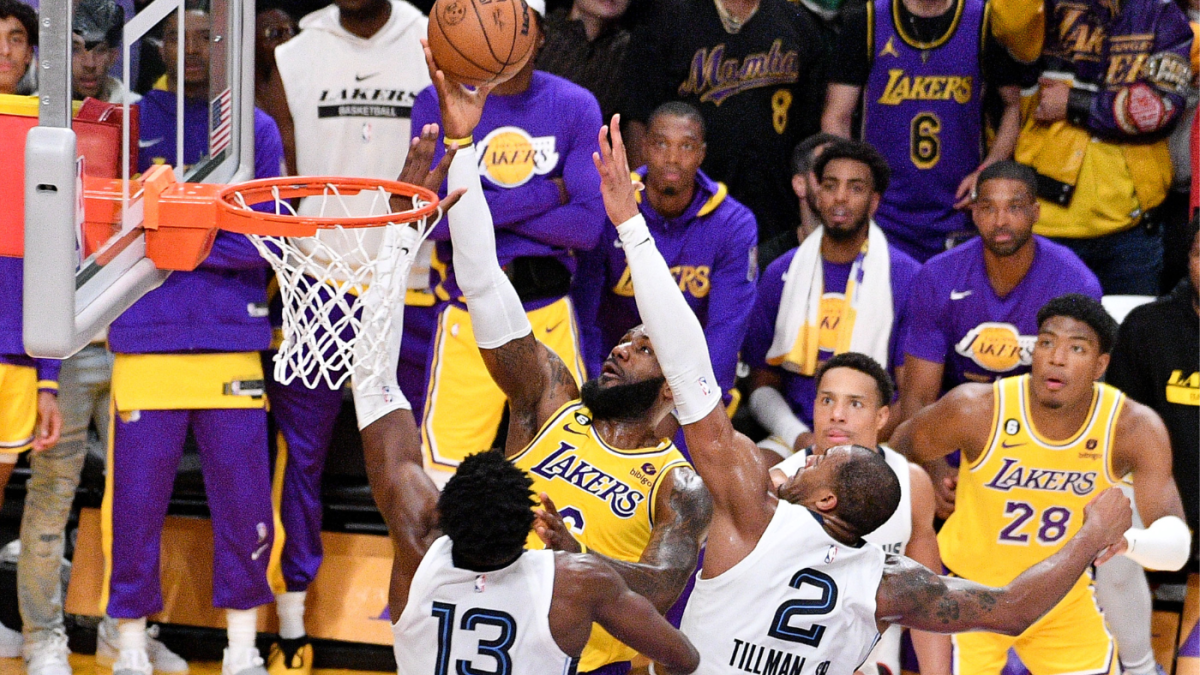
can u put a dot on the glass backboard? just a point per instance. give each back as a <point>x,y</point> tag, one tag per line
<point>191,61</point>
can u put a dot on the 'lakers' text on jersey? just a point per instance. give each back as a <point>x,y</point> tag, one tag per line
<point>1023,497</point>
<point>605,495</point>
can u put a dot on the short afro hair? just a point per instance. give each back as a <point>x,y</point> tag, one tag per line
<point>856,151</point>
<point>1011,171</point>
<point>867,489</point>
<point>802,156</point>
<point>1086,309</point>
<point>486,509</point>
<point>678,109</point>
<point>863,364</point>
<point>15,9</point>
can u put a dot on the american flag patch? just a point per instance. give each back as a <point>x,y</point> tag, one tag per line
<point>220,118</point>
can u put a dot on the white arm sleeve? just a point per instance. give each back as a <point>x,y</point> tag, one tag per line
<point>1162,546</point>
<point>673,329</point>
<point>497,316</point>
<point>772,411</point>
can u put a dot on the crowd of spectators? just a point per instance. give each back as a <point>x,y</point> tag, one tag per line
<point>908,179</point>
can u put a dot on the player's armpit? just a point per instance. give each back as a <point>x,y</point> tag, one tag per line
<point>683,510</point>
<point>536,382</point>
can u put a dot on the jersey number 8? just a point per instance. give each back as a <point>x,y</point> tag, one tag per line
<point>781,627</point>
<point>496,649</point>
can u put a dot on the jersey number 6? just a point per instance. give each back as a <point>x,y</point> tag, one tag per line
<point>497,649</point>
<point>781,627</point>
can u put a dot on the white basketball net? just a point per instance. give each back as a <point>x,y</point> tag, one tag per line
<point>336,283</point>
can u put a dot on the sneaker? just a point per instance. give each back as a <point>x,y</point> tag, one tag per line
<point>162,659</point>
<point>10,642</point>
<point>48,657</point>
<point>290,657</point>
<point>133,662</point>
<point>242,661</point>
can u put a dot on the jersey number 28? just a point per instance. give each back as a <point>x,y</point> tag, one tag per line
<point>781,625</point>
<point>472,619</point>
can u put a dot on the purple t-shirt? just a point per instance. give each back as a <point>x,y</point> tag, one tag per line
<point>801,390</point>
<point>956,318</point>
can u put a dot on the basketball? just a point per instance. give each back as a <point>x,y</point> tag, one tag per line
<point>478,42</point>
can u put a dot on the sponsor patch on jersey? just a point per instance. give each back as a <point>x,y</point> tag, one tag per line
<point>1013,474</point>
<point>510,157</point>
<point>998,347</point>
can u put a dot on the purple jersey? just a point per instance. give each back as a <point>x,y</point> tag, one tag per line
<point>710,249</point>
<point>930,94</point>
<point>800,390</point>
<point>955,318</point>
<point>523,141</point>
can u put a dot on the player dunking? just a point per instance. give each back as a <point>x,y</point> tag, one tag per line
<point>466,593</point>
<point>791,588</point>
<point>1035,449</point>
<point>629,493</point>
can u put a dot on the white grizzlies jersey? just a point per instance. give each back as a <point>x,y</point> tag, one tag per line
<point>801,603</point>
<point>459,621</point>
<point>351,98</point>
<point>893,535</point>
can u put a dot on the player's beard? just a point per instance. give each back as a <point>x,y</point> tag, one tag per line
<point>631,401</point>
<point>849,233</point>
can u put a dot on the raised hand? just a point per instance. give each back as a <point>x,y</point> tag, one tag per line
<point>552,529</point>
<point>461,107</point>
<point>616,187</point>
<point>417,170</point>
<point>1106,518</point>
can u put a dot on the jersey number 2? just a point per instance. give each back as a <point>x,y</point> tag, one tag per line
<point>473,618</point>
<point>781,626</point>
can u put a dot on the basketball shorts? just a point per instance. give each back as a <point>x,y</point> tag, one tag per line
<point>18,410</point>
<point>463,406</point>
<point>1071,639</point>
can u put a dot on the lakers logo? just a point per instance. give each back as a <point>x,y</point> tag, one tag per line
<point>509,156</point>
<point>998,347</point>
<point>692,279</point>
<point>831,319</point>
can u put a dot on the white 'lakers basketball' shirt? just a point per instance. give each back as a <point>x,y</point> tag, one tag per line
<point>892,537</point>
<point>460,621</point>
<point>801,603</point>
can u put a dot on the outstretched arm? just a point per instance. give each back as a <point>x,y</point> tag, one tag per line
<point>682,512</point>
<point>728,462</point>
<point>404,494</point>
<point>533,378</point>
<point>912,596</point>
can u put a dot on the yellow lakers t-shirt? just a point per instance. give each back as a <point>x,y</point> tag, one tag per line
<point>606,496</point>
<point>1023,497</point>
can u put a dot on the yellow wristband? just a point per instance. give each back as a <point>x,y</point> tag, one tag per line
<point>462,142</point>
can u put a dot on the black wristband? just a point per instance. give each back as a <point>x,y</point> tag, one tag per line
<point>1079,106</point>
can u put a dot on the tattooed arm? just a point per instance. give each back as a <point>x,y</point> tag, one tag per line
<point>912,596</point>
<point>682,511</point>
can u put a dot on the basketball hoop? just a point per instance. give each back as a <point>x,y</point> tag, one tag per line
<point>337,272</point>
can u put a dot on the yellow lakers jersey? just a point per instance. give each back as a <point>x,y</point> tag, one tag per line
<point>1023,497</point>
<point>605,494</point>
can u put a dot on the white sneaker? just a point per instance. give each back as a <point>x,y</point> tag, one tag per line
<point>48,657</point>
<point>133,662</point>
<point>162,659</point>
<point>242,661</point>
<point>10,642</point>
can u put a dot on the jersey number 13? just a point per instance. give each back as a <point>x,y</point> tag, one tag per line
<point>472,619</point>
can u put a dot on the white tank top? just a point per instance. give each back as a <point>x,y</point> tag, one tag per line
<point>459,621</point>
<point>893,535</point>
<point>801,603</point>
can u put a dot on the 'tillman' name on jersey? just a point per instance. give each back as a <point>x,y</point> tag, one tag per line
<point>564,463</point>
<point>760,660</point>
<point>366,102</point>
